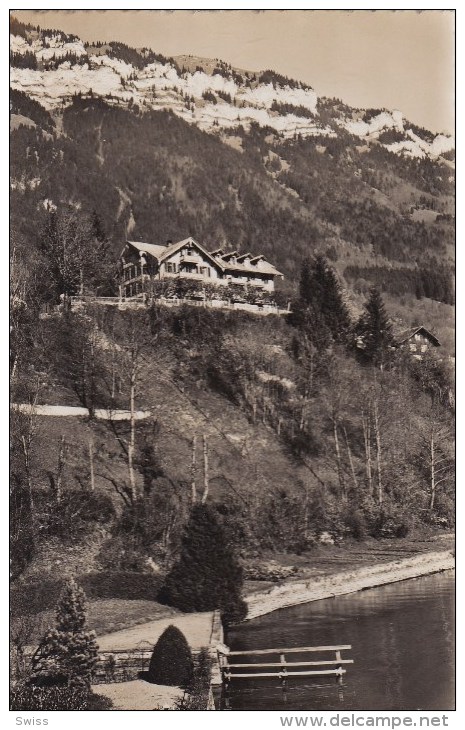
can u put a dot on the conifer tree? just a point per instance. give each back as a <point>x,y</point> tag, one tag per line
<point>67,653</point>
<point>207,576</point>
<point>328,299</point>
<point>305,284</point>
<point>321,311</point>
<point>374,330</point>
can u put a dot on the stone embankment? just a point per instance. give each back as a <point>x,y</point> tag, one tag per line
<point>294,592</point>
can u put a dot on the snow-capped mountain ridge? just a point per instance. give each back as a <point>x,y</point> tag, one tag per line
<point>224,99</point>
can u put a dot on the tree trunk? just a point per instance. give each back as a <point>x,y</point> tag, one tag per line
<point>378,452</point>
<point>60,468</point>
<point>91,466</point>
<point>193,470</point>
<point>351,461</point>
<point>206,484</point>
<point>340,472</point>
<point>367,443</point>
<point>433,472</point>
<point>132,436</point>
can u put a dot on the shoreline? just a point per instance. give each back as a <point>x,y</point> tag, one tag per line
<point>295,592</point>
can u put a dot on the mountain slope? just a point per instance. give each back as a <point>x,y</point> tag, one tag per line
<point>141,160</point>
<point>52,67</point>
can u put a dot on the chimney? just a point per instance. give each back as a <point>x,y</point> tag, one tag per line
<point>169,242</point>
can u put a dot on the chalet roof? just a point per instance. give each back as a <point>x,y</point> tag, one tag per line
<point>244,256</point>
<point>163,252</point>
<point>218,258</point>
<point>150,248</point>
<point>265,268</point>
<point>406,335</point>
<point>251,268</point>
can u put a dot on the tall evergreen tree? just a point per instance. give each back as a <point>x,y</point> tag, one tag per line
<point>374,330</point>
<point>328,299</point>
<point>305,284</point>
<point>67,653</point>
<point>321,310</point>
<point>207,575</point>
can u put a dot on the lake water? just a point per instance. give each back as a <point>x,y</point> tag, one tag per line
<point>403,645</point>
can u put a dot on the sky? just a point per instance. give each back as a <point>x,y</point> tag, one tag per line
<point>394,59</point>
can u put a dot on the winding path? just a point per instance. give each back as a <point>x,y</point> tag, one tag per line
<point>104,414</point>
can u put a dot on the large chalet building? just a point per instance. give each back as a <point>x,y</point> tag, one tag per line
<point>143,263</point>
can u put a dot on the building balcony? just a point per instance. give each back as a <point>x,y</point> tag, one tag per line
<point>191,258</point>
<point>184,275</point>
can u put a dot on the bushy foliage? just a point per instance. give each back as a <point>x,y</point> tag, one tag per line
<point>33,698</point>
<point>22,538</point>
<point>433,280</point>
<point>21,103</point>
<point>198,689</point>
<point>171,662</point>
<point>298,111</point>
<point>73,251</point>
<point>19,28</point>
<point>24,60</point>
<point>74,515</point>
<point>207,576</point>
<point>128,585</point>
<point>276,79</point>
<point>30,697</point>
<point>209,96</point>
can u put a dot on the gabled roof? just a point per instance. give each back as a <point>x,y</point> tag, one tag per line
<point>226,256</point>
<point>150,248</point>
<point>266,268</point>
<point>406,335</point>
<point>161,253</point>
<point>244,256</point>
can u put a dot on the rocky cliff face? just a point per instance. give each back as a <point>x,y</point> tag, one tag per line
<point>52,68</point>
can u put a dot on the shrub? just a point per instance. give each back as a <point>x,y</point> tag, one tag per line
<point>77,513</point>
<point>387,519</point>
<point>171,661</point>
<point>98,703</point>
<point>121,584</point>
<point>198,689</point>
<point>233,611</point>
<point>207,575</point>
<point>356,523</point>
<point>30,697</point>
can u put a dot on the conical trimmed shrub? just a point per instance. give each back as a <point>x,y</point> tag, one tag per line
<point>171,662</point>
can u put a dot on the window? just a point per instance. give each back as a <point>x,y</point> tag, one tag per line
<point>205,271</point>
<point>170,267</point>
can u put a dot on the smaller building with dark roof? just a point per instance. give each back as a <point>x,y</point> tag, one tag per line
<point>416,340</point>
